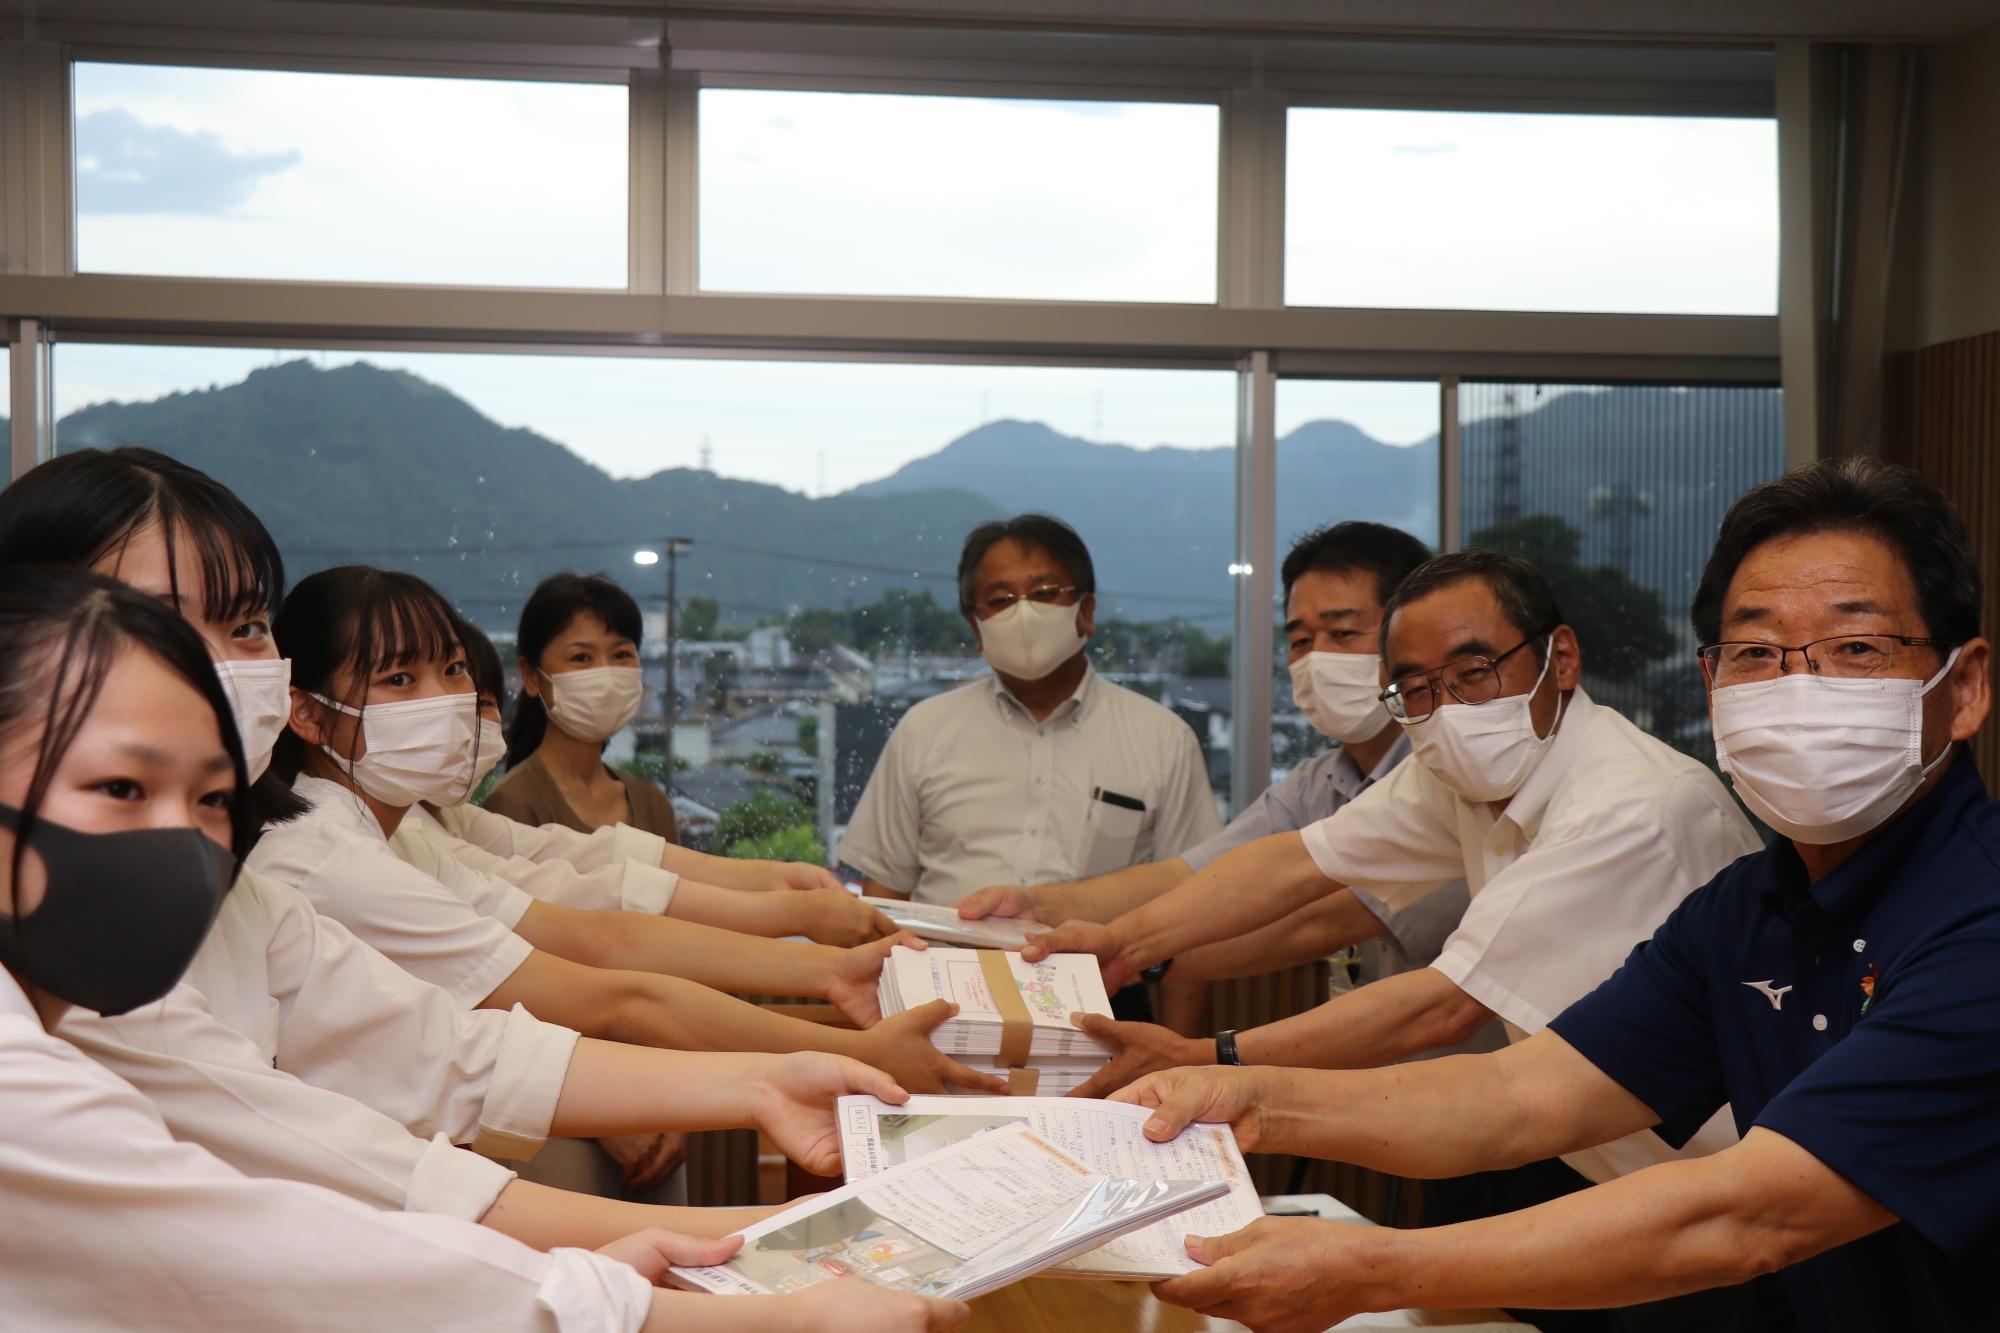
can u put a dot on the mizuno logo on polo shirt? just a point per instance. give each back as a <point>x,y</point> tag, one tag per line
<point>1775,994</point>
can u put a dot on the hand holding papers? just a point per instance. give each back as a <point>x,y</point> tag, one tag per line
<point>1011,1013</point>
<point>944,925</point>
<point>950,1223</point>
<point>876,1136</point>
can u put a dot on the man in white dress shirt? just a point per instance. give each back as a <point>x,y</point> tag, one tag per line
<point>1043,771</point>
<point>1576,833</point>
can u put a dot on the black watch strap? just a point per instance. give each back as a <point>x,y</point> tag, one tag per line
<point>1225,1048</point>
<point>1157,970</point>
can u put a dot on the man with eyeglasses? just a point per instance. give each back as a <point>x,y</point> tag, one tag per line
<point>1840,991</point>
<point>1041,771</point>
<point>1576,833</point>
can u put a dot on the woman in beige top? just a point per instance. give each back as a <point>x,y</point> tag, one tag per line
<point>579,646</point>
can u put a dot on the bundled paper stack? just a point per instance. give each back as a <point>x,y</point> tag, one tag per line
<point>943,924</point>
<point>1011,1015</point>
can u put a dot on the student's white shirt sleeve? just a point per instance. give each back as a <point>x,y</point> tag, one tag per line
<point>1396,842</point>
<point>1560,918</point>
<point>624,886</point>
<point>114,1224</point>
<point>884,839</point>
<point>210,1086</point>
<point>422,926</point>
<point>1187,816</point>
<point>355,1022</point>
<point>613,844</point>
<point>486,894</point>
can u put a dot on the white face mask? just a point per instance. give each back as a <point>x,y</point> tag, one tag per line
<point>492,749</point>
<point>1030,640</point>
<point>1484,752</point>
<point>260,695</point>
<point>417,749</point>
<point>593,704</point>
<point>1339,693</point>
<point>1821,759</point>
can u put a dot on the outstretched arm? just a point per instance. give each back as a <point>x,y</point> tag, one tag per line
<point>646,1009</point>
<point>1679,1227</point>
<point>1102,898</point>
<point>1323,926</point>
<point>1252,886</point>
<point>1449,1117</point>
<point>718,958</point>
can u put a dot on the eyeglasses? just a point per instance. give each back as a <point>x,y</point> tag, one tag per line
<point>1048,594</point>
<point>1844,657</point>
<point>1471,680</point>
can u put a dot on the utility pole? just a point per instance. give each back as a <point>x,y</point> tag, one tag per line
<point>674,548</point>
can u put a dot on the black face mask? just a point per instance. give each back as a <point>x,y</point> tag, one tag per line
<point>122,916</point>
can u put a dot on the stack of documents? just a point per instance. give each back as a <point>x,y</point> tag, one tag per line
<point>876,1137</point>
<point>1011,1014</point>
<point>963,1220</point>
<point>943,924</point>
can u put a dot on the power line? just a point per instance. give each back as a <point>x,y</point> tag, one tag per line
<point>741,548</point>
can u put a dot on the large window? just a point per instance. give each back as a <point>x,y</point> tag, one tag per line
<point>1347,449</point>
<point>826,503</point>
<point>1483,211</point>
<point>897,195</point>
<point>1616,495</point>
<point>247,173</point>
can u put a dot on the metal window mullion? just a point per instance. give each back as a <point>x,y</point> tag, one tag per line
<point>682,208</point>
<point>1251,227</point>
<point>38,170</point>
<point>646,183</point>
<point>1256,551</point>
<point>30,422</point>
<point>1451,468</point>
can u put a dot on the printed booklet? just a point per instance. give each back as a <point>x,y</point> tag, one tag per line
<point>1104,1136</point>
<point>944,925</point>
<point>963,1220</point>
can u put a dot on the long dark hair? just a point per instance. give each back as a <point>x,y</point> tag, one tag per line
<point>81,507</point>
<point>61,632</point>
<point>557,600</point>
<point>361,620</point>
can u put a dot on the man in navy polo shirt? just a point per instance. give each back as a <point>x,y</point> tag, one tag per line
<point>1841,991</point>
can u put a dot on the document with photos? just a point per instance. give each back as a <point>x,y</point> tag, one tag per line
<point>943,924</point>
<point>958,1222</point>
<point>1045,995</point>
<point>1105,1136</point>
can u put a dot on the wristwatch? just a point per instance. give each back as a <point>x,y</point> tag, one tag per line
<point>1156,971</point>
<point>1225,1048</point>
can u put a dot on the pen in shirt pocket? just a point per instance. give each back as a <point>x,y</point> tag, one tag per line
<point>1119,799</point>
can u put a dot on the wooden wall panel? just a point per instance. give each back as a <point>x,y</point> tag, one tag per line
<point>1941,416</point>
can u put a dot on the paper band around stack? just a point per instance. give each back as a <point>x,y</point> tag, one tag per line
<point>1017,1029</point>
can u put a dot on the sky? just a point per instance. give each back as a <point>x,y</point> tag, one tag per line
<point>260,174</point>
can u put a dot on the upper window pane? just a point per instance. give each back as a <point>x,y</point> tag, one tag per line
<point>896,195</point>
<point>354,178</point>
<point>1480,211</point>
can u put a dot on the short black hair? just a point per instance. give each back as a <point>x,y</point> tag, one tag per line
<point>1387,553</point>
<point>1053,535</point>
<point>78,508</point>
<point>1883,500</point>
<point>1523,594</point>
<point>482,659</point>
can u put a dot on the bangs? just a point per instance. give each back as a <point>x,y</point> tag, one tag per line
<point>402,620</point>
<point>241,574</point>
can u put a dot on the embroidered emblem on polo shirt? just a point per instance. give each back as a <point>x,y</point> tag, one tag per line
<point>1775,994</point>
<point>1868,986</point>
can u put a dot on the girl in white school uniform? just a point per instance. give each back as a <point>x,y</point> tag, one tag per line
<point>121,781</point>
<point>383,717</point>
<point>293,1050</point>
